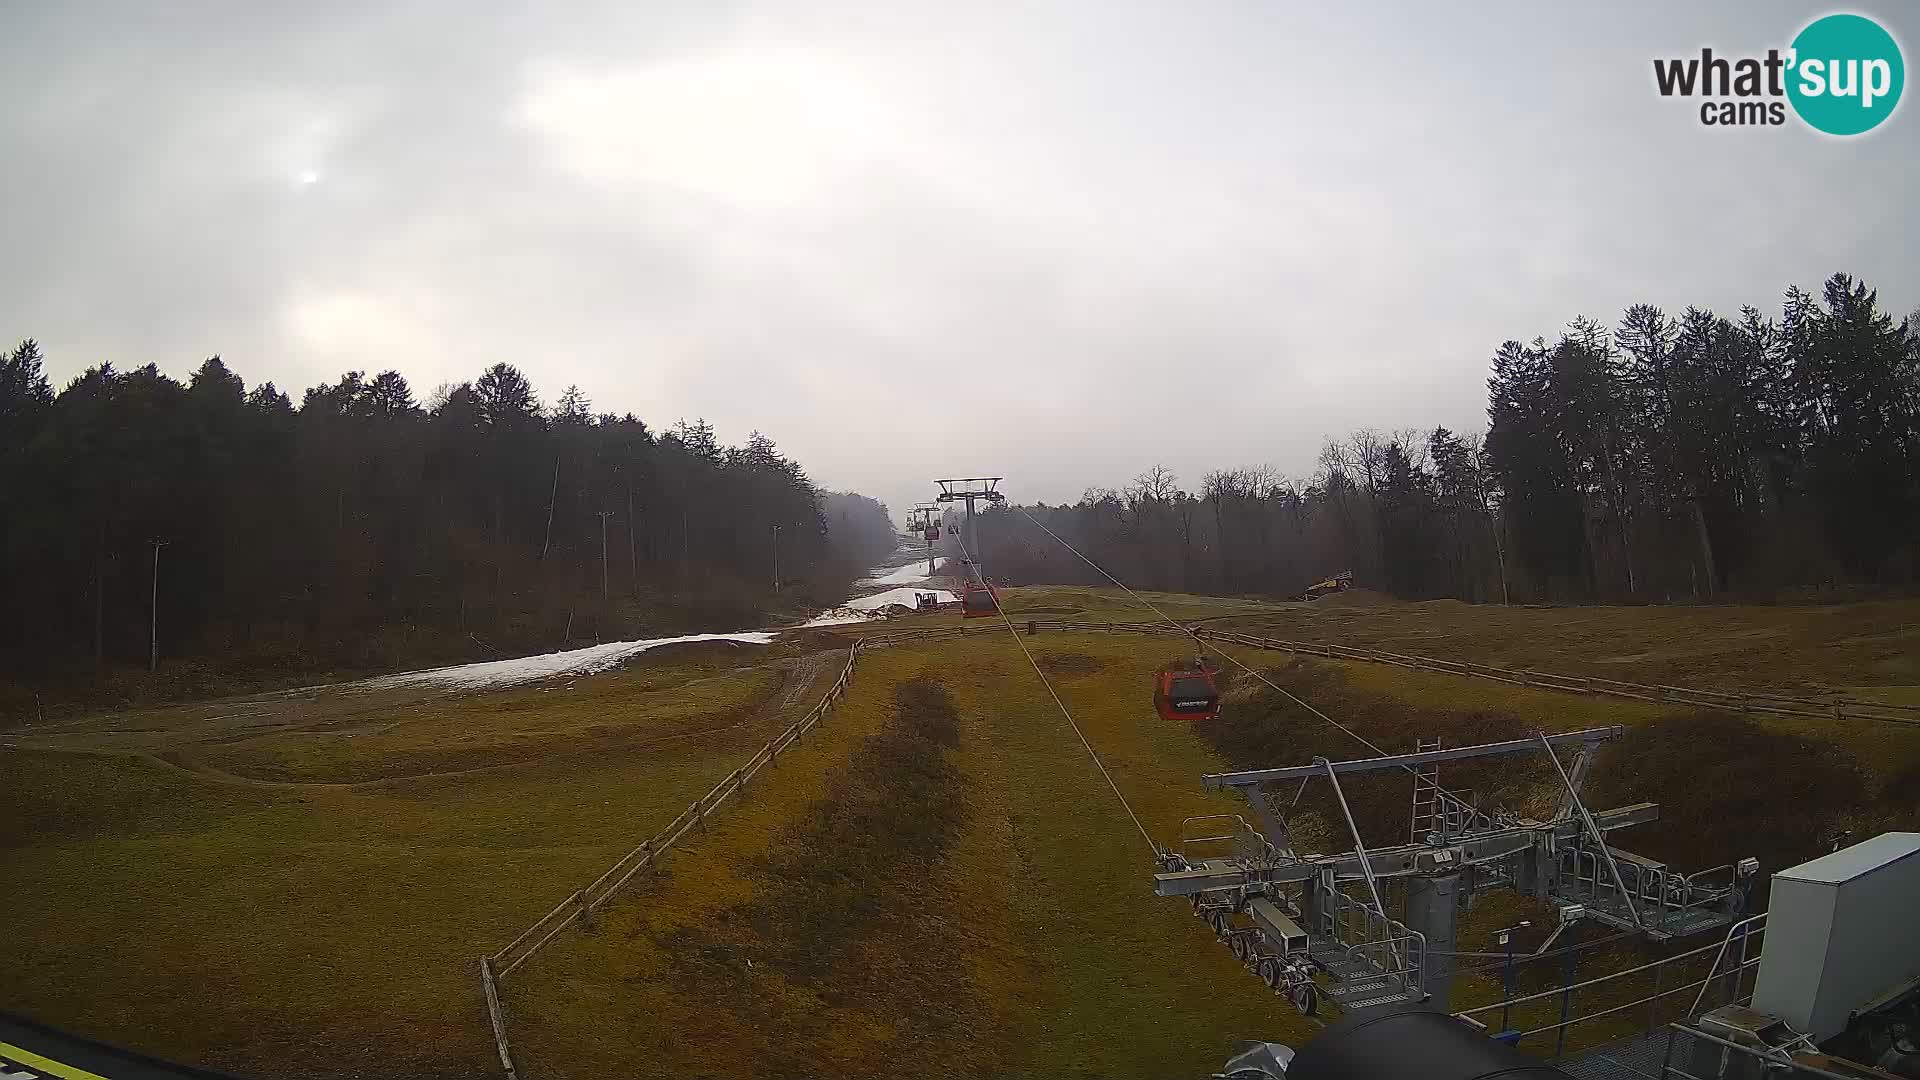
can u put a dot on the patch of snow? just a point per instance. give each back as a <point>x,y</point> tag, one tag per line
<point>837,617</point>
<point>902,596</point>
<point>906,575</point>
<point>497,673</point>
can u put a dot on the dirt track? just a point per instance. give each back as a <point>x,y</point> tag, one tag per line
<point>175,737</point>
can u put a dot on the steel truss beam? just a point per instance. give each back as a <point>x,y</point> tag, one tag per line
<point>1253,777</point>
<point>1399,861</point>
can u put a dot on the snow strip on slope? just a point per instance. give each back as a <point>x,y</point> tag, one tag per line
<point>498,673</point>
<point>837,617</point>
<point>905,575</point>
<point>902,596</point>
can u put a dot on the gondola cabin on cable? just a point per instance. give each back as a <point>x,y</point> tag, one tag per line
<point>933,531</point>
<point>979,601</point>
<point>1187,694</point>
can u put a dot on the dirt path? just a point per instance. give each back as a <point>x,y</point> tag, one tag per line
<point>176,749</point>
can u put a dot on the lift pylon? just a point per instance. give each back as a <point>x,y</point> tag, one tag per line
<point>1313,925</point>
<point>977,598</point>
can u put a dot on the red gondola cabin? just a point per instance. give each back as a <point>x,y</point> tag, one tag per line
<point>979,601</point>
<point>933,533</point>
<point>1186,695</point>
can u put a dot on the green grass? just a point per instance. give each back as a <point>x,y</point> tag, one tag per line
<point>614,714</point>
<point>1873,646</point>
<point>300,887</point>
<point>312,931</point>
<point>1069,963</point>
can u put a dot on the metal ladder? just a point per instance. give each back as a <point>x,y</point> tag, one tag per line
<point>1426,795</point>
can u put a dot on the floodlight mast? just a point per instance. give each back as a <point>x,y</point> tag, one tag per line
<point>969,489</point>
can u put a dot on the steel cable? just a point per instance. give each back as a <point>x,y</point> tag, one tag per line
<point>974,571</point>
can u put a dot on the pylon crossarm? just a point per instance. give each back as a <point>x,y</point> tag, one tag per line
<point>1216,781</point>
<point>1593,830</point>
<point>1396,861</point>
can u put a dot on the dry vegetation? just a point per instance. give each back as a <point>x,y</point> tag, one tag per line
<point>1869,646</point>
<point>938,875</point>
<point>316,929</point>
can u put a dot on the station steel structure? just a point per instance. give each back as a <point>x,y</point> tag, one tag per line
<point>1292,917</point>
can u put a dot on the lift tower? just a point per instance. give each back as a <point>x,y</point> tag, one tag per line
<point>971,489</point>
<point>929,528</point>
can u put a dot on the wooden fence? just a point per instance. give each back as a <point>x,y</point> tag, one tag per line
<point>1823,707</point>
<point>579,908</point>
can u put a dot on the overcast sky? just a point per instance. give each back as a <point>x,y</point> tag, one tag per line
<point>1058,242</point>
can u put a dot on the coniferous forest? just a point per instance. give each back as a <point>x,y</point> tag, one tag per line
<point>1672,458</point>
<point>240,538</point>
<point>364,529</point>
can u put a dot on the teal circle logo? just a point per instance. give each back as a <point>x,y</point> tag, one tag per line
<point>1846,74</point>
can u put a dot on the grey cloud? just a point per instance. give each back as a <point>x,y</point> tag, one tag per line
<point>1058,241</point>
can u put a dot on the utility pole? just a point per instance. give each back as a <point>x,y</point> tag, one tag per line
<point>553,496</point>
<point>776,558</point>
<point>153,612</point>
<point>633,557</point>
<point>605,592</point>
<point>969,490</point>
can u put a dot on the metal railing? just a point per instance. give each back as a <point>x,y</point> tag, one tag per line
<point>1389,946</point>
<point>1692,1054</point>
<point>1658,893</point>
<point>1223,836</point>
<point>1732,974</point>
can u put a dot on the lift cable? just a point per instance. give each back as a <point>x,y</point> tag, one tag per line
<point>974,570</point>
<point>1176,624</point>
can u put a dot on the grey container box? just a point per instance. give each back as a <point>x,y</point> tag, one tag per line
<point>1841,929</point>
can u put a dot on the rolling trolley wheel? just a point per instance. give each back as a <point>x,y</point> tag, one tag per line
<point>1305,996</point>
<point>1273,973</point>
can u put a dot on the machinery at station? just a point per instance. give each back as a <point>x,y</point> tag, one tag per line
<point>1318,927</point>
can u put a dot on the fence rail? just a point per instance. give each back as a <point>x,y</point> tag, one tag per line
<point>1831,707</point>
<point>580,907</point>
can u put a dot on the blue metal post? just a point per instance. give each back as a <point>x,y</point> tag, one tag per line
<point>1506,1008</point>
<point>1566,996</point>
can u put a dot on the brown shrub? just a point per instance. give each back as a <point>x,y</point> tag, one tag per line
<point>1259,727</point>
<point>840,903</point>
<point>1070,663</point>
<point>1729,787</point>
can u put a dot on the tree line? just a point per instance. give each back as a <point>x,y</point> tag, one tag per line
<point>1685,458</point>
<point>364,528</point>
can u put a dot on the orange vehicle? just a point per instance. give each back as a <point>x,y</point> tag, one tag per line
<point>1187,694</point>
<point>979,601</point>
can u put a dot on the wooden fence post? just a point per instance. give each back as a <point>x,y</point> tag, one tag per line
<point>495,1018</point>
